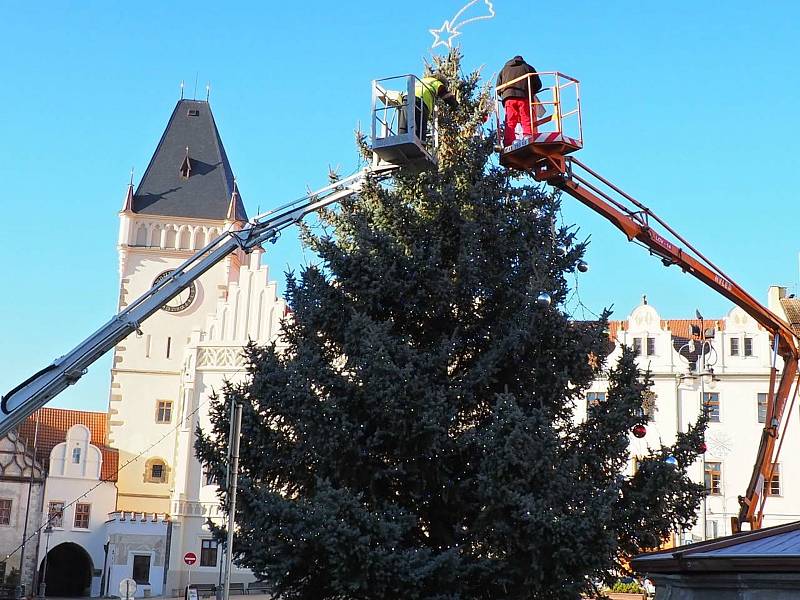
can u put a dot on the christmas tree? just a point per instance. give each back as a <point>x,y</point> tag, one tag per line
<point>416,434</point>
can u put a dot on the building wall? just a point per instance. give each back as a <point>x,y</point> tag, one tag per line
<point>146,368</point>
<point>252,311</point>
<point>16,467</point>
<point>137,534</point>
<point>70,481</point>
<point>733,440</point>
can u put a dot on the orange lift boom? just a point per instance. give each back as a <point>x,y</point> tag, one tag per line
<point>556,133</point>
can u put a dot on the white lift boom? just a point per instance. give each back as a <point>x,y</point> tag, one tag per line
<point>41,387</point>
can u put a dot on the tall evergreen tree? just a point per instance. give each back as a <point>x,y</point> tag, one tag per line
<point>416,435</point>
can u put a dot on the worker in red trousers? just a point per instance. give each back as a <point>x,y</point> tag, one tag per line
<point>517,97</point>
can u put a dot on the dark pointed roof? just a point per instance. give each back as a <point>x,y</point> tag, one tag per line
<point>204,190</point>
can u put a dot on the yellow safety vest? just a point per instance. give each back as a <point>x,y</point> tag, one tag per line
<point>427,89</point>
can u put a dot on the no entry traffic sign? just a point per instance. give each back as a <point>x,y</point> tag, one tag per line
<point>190,558</point>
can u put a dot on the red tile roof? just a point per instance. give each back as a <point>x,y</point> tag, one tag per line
<point>53,426</point>
<point>791,306</point>
<point>679,328</point>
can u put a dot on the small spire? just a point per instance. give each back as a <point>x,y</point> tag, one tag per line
<point>181,89</point>
<point>186,165</point>
<point>644,299</point>
<point>234,207</point>
<point>128,204</point>
<point>208,90</point>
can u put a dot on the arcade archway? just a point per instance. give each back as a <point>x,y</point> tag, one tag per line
<point>69,571</point>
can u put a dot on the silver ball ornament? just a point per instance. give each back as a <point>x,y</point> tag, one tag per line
<point>671,460</point>
<point>561,251</point>
<point>583,266</point>
<point>544,299</point>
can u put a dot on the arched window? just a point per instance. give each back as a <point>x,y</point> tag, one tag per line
<point>171,238</point>
<point>141,235</point>
<point>184,238</point>
<point>155,237</point>
<point>199,239</point>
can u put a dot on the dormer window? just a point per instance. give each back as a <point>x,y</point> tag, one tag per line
<point>76,456</point>
<point>186,165</point>
<point>193,112</point>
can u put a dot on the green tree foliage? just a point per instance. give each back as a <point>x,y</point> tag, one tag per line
<point>415,434</point>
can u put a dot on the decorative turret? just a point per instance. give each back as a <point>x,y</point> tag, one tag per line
<point>236,212</point>
<point>127,205</point>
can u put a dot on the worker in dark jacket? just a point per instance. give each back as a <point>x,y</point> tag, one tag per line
<point>517,97</point>
<point>426,91</point>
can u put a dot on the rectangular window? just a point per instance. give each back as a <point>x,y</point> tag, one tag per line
<point>208,553</point>
<point>712,529</point>
<point>773,486</point>
<point>713,478</point>
<point>594,398</point>
<point>762,408</point>
<point>164,411</point>
<point>649,404</point>
<point>147,346</point>
<point>637,346</point>
<point>82,516</point>
<point>734,346</point>
<point>651,346</point>
<point>55,514</point>
<point>5,512</point>
<point>76,456</point>
<point>169,345</point>
<point>748,346</point>
<point>711,406</point>
<point>157,472</point>
<point>141,569</point>
<point>208,476</point>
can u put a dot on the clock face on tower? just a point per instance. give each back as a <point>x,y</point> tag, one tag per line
<point>183,300</point>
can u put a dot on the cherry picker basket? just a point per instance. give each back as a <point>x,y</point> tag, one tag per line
<point>403,130</point>
<point>556,128</point>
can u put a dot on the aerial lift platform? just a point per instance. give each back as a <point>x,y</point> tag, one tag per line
<point>546,154</point>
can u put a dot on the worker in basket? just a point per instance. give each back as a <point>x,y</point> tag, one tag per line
<point>426,91</point>
<point>517,97</point>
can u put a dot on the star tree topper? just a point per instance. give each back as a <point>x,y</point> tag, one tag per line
<point>451,28</point>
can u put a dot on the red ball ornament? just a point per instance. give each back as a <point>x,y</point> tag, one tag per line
<point>639,431</point>
<point>701,448</point>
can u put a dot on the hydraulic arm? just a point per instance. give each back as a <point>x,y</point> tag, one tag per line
<point>637,222</point>
<point>38,389</point>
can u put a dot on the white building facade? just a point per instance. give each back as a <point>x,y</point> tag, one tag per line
<point>732,387</point>
<point>77,501</point>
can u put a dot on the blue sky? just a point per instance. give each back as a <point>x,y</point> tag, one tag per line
<point>690,106</point>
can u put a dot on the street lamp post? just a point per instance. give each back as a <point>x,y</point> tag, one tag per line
<point>43,585</point>
<point>704,369</point>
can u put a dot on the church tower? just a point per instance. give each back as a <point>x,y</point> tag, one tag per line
<point>185,199</point>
